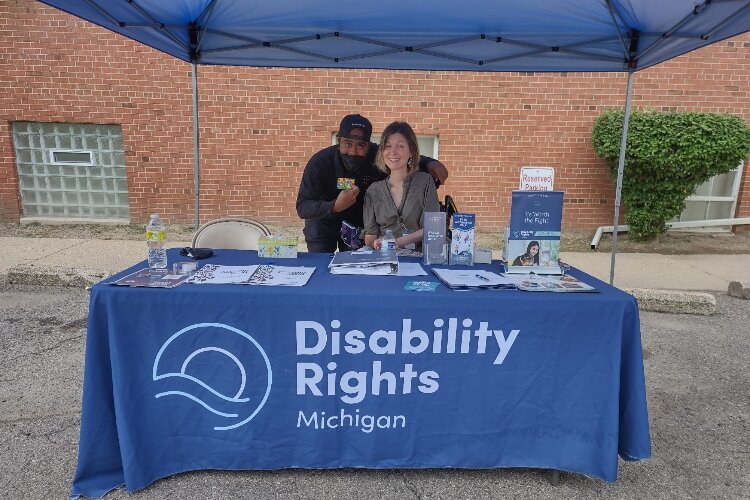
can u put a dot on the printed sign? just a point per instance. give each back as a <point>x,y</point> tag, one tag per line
<point>537,179</point>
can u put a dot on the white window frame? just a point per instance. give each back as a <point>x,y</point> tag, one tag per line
<point>54,161</point>
<point>733,198</point>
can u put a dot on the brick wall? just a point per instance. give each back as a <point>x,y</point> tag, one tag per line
<point>260,125</point>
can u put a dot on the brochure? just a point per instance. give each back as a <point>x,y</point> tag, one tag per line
<point>533,239</point>
<point>566,283</point>
<point>464,279</point>
<point>252,275</point>
<point>421,286</point>
<point>214,274</point>
<point>462,240</point>
<point>434,243</point>
<point>152,278</point>
<point>280,276</point>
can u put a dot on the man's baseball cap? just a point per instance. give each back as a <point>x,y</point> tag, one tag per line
<point>351,122</point>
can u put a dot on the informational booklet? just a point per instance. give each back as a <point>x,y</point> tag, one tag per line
<point>462,240</point>
<point>152,278</point>
<point>434,243</point>
<point>271,275</point>
<point>365,261</point>
<point>565,283</point>
<point>470,278</point>
<point>533,240</point>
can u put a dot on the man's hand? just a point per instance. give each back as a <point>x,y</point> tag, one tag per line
<point>345,199</point>
<point>438,171</point>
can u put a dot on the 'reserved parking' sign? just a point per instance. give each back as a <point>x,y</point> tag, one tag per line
<point>537,178</point>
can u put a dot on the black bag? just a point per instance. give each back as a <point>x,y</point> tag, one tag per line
<point>196,253</point>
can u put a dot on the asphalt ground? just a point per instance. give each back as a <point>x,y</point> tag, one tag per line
<point>698,387</point>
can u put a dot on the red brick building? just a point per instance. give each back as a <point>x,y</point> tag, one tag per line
<point>260,125</point>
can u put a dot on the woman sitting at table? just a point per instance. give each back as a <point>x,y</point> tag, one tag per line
<point>398,202</point>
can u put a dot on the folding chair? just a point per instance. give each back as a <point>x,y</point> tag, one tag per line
<point>236,234</point>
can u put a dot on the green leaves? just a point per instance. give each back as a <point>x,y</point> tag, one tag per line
<point>668,156</point>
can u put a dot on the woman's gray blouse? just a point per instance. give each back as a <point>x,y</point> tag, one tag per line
<point>381,213</point>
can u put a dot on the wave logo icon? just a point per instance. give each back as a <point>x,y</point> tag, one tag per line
<point>221,368</point>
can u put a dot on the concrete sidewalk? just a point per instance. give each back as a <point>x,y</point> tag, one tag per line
<point>81,262</point>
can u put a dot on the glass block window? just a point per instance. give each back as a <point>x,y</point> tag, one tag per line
<point>69,170</point>
<point>714,199</point>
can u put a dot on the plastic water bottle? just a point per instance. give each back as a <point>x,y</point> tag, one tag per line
<point>155,237</point>
<point>388,243</point>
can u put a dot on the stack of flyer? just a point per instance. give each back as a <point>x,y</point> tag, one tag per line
<point>365,261</point>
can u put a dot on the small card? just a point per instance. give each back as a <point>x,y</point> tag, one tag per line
<point>344,183</point>
<point>421,286</point>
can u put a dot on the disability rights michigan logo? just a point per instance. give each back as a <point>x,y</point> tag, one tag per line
<point>221,369</point>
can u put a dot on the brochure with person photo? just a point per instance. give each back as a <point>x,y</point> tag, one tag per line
<point>533,241</point>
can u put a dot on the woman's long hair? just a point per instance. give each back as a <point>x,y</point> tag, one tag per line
<point>538,250</point>
<point>404,129</point>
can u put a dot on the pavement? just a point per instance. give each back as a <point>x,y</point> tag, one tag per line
<point>666,283</point>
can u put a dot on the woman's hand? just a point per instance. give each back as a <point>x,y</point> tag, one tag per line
<point>377,244</point>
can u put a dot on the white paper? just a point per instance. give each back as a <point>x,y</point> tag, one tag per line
<point>280,276</point>
<point>374,270</point>
<point>471,278</point>
<point>410,269</point>
<point>214,274</point>
<point>252,275</point>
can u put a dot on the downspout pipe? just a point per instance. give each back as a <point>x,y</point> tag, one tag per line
<point>737,221</point>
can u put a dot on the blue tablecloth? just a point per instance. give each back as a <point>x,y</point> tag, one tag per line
<point>354,371</point>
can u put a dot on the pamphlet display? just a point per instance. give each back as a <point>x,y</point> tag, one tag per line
<point>533,242</point>
<point>462,240</point>
<point>434,243</point>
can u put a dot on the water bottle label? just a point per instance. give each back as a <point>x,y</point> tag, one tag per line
<point>390,245</point>
<point>154,235</point>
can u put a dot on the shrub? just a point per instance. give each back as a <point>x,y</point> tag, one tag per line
<point>668,156</point>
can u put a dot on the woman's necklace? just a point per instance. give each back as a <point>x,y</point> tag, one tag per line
<point>397,191</point>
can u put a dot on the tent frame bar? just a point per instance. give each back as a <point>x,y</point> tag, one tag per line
<point>196,147</point>
<point>620,171</point>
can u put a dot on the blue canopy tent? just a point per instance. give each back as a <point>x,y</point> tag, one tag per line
<point>471,35</point>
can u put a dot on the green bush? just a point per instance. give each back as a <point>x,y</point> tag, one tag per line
<point>668,156</point>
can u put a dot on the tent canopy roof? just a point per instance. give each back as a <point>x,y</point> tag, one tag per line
<point>466,35</point>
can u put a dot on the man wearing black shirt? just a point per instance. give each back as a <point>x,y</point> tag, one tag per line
<point>320,201</point>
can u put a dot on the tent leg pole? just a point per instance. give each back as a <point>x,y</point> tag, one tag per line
<point>620,169</point>
<point>196,147</point>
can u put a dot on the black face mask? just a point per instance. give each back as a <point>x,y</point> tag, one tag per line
<point>353,164</point>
